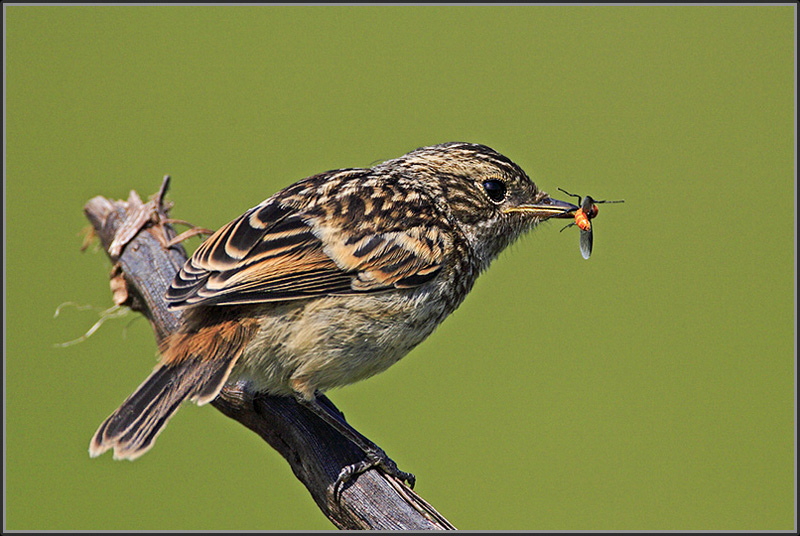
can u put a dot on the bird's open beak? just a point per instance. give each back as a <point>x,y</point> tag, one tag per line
<point>548,208</point>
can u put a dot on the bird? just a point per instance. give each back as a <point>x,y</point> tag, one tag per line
<point>331,280</point>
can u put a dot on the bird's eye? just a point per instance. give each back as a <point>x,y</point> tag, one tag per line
<point>495,189</point>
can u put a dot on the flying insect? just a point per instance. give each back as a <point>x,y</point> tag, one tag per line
<point>583,219</point>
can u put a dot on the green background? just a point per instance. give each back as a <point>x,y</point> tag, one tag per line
<point>651,387</point>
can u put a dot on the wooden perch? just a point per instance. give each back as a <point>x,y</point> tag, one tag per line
<point>141,243</point>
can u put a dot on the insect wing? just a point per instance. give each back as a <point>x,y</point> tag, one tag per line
<point>586,243</point>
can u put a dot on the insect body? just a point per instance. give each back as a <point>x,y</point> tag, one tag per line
<point>583,219</point>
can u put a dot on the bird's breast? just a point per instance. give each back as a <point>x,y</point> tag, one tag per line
<point>337,340</point>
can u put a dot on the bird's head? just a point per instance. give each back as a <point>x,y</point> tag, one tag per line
<point>487,195</point>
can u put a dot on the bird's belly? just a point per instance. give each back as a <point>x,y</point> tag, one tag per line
<point>334,341</point>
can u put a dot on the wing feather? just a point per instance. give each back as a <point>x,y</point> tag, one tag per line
<point>274,252</point>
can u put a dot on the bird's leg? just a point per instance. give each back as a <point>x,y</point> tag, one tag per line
<point>376,457</point>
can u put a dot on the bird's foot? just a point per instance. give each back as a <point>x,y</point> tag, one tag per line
<point>375,458</point>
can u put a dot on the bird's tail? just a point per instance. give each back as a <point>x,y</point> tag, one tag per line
<point>133,428</point>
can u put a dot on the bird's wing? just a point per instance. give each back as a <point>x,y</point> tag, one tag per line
<point>274,252</point>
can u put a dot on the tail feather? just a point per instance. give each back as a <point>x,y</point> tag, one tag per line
<point>133,428</point>
<point>208,390</point>
<point>195,365</point>
<point>139,438</point>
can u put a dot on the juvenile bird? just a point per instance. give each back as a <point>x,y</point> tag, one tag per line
<point>330,281</point>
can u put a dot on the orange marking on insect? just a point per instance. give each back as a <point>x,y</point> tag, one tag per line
<point>582,219</point>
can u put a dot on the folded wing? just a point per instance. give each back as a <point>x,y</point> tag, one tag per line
<point>275,252</point>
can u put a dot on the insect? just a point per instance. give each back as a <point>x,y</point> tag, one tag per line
<point>583,219</point>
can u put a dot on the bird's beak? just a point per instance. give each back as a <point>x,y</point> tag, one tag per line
<point>548,208</point>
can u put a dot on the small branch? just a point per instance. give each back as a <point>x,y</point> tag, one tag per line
<point>141,244</point>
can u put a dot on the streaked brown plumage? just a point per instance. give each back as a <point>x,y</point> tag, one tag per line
<point>332,280</point>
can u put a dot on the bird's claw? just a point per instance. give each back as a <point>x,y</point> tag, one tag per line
<point>375,459</point>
